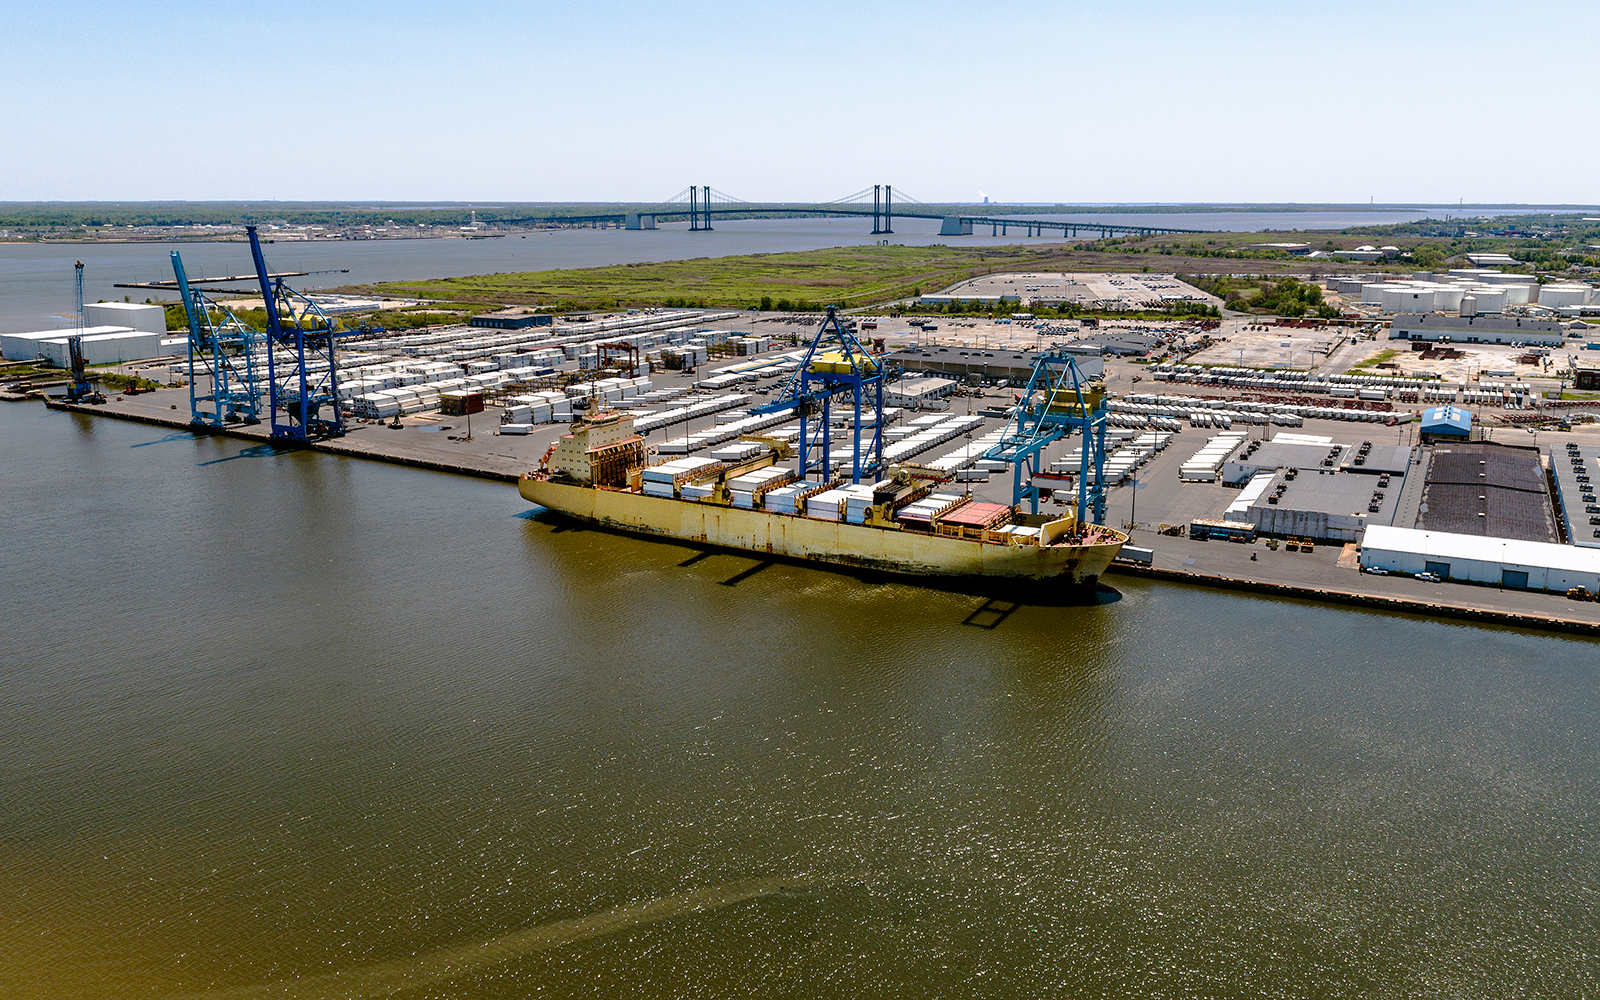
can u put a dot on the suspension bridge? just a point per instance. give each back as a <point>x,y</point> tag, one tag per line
<point>700,204</point>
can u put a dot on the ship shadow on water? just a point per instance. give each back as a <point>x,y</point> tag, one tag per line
<point>1001,598</point>
<point>175,436</point>
<point>254,451</point>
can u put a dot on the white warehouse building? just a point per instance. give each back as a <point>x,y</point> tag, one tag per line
<point>917,392</point>
<point>101,345</point>
<point>133,315</point>
<point>1476,329</point>
<point>1500,562</point>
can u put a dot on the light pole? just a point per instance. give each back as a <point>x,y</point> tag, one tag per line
<point>1133,508</point>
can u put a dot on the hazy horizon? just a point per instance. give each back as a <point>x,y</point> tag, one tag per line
<point>1170,104</point>
<point>414,205</point>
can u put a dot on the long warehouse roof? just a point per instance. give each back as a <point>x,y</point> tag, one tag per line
<point>1492,550</point>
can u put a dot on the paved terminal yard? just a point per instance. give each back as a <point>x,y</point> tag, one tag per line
<point>430,440</point>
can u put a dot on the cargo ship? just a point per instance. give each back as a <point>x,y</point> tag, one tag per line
<point>741,498</point>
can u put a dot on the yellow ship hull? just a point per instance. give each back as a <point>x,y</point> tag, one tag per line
<point>830,542</point>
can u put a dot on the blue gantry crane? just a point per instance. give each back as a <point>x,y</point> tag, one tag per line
<point>1059,399</point>
<point>834,364</point>
<point>301,341</point>
<point>224,387</point>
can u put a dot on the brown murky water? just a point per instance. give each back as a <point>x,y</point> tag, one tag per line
<point>296,726</point>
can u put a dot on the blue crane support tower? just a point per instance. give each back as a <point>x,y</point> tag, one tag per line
<point>834,363</point>
<point>224,352</point>
<point>79,390</point>
<point>1059,399</point>
<point>305,345</point>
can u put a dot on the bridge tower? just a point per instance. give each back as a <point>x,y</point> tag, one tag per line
<point>700,209</point>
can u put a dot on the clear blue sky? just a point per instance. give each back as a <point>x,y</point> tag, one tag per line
<point>1078,102</point>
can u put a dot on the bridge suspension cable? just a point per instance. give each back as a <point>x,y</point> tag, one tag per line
<point>850,199</point>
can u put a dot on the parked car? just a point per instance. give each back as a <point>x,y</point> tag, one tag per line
<point>1428,577</point>
<point>1377,571</point>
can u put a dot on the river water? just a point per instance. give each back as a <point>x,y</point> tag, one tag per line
<point>291,725</point>
<point>36,280</point>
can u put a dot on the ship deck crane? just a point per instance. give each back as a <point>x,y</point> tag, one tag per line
<point>1058,400</point>
<point>834,364</point>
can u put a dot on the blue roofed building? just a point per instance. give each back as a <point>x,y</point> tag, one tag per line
<point>1446,423</point>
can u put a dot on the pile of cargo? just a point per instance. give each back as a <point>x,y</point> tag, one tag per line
<point>665,479</point>
<point>784,499</point>
<point>785,362</point>
<point>858,505</point>
<point>1209,412</point>
<point>1130,453</point>
<point>549,345</point>
<point>915,426</point>
<point>691,409</point>
<point>723,432</point>
<point>741,451</point>
<point>538,408</point>
<point>747,491</point>
<point>679,358</point>
<point>1019,534</point>
<point>394,402</point>
<point>930,437</point>
<point>375,379</point>
<point>836,504</point>
<point>1205,463</point>
<point>922,514</point>
<point>967,462</point>
<point>610,390</point>
<point>1140,420</point>
<point>845,417</point>
<point>412,398</point>
<point>1291,381</point>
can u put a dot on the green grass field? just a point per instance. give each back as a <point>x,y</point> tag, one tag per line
<point>848,276</point>
<point>845,276</point>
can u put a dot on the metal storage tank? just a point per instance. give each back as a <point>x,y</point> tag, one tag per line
<point>1407,298</point>
<point>1556,296</point>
